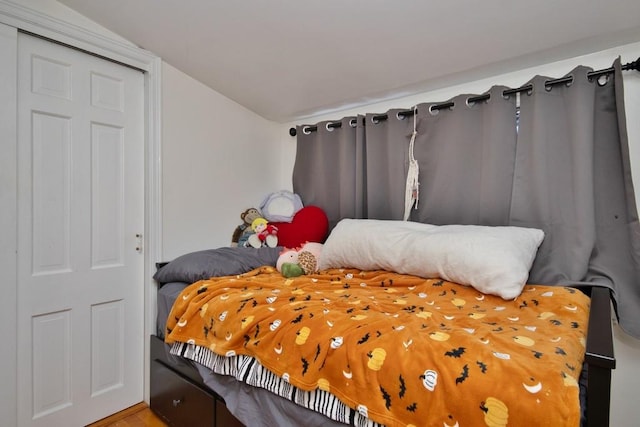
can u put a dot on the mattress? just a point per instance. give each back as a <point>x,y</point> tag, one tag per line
<point>167,295</point>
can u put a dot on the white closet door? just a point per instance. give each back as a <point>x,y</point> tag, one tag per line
<point>80,209</point>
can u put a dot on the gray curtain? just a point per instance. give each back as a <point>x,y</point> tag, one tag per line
<point>573,180</point>
<point>559,163</point>
<point>466,155</point>
<point>387,163</point>
<point>330,169</point>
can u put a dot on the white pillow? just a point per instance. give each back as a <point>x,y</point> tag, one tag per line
<point>494,260</point>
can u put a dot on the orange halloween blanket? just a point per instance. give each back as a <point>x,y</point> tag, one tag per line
<point>400,349</point>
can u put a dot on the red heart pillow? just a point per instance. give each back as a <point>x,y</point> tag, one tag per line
<point>309,224</point>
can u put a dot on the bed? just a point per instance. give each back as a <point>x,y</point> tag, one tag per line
<point>403,324</point>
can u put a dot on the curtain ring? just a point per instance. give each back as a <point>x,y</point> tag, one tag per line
<point>473,100</point>
<point>306,130</point>
<point>330,126</point>
<point>353,122</point>
<point>567,80</point>
<point>433,111</point>
<point>603,79</point>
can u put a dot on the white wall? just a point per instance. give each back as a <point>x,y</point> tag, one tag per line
<point>218,159</point>
<point>625,411</point>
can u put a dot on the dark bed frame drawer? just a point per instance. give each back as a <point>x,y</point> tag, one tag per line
<point>179,399</point>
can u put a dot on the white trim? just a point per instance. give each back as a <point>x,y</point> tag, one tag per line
<point>36,22</point>
<point>8,222</point>
<point>153,206</point>
<point>33,21</point>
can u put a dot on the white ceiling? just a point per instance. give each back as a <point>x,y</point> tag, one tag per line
<point>290,59</point>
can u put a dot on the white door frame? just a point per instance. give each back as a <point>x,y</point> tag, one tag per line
<point>15,17</point>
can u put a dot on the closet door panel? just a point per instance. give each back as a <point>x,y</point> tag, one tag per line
<point>80,218</point>
<point>51,178</point>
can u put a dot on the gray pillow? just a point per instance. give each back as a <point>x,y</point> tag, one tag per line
<point>226,261</point>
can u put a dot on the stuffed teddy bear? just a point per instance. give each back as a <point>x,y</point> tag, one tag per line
<point>243,231</point>
<point>265,234</point>
<point>299,261</point>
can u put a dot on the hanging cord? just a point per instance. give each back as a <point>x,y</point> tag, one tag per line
<point>412,188</point>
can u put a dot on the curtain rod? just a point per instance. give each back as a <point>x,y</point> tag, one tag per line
<point>635,65</point>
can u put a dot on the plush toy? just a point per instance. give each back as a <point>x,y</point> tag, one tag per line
<point>309,224</point>
<point>299,261</point>
<point>309,256</point>
<point>243,231</point>
<point>265,234</point>
<point>287,263</point>
<point>280,206</point>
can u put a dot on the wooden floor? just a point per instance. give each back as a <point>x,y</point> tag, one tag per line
<point>137,416</point>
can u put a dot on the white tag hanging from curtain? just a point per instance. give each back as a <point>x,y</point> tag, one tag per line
<point>411,194</point>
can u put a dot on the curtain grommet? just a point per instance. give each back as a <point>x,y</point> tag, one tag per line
<point>602,79</point>
<point>353,123</point>
<point>306,130</point>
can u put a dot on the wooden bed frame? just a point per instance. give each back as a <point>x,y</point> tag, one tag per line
<point>599,358</point>
<point>180,397</point>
